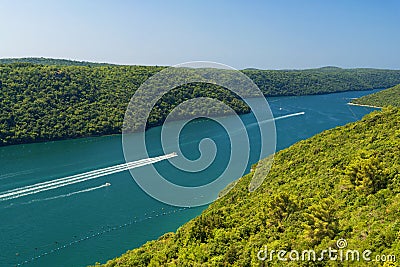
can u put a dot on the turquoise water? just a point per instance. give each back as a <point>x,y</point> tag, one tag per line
<point>87,222</point>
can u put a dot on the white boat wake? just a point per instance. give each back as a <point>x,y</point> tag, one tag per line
<point>275,119</point>
<point>78,178</point>
<point>59,196</point>
<point>289,115</point>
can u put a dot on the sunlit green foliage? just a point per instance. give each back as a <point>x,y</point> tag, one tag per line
<point>342,183</point>
<point>40,103</point>
<point>321,221</point>
<point>386,97</point>
<point>366,173</point>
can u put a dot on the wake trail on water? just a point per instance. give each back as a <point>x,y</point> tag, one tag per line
<point>75,176</point>
<point>276,119</point>
<point>78,178</point>
<point>251,125</point>
<point>289,115</point>
<point>13,174</point>
<point>60,196</point>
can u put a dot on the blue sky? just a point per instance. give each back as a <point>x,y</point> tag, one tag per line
<point>260,34</point>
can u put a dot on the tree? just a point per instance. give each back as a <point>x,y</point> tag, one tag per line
<point>367,173</point>
<point>321,221</point>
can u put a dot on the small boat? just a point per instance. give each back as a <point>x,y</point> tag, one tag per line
<point>107,184</point>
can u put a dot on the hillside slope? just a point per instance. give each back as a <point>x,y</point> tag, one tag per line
<point>386,97</point>
<point>43,103</point>
<point>51,61</point>
<point>321,80</point>
<point>342,183</point>
<point>52,99</point>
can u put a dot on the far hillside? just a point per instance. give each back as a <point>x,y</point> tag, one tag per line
<point>388,97</point>
<point>51,61</point>
<point>46,99</point>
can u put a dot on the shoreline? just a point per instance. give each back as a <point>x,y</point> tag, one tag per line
<point>361,105</point>
<point>66,138</point>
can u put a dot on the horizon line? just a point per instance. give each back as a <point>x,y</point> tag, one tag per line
<point>156,65</point>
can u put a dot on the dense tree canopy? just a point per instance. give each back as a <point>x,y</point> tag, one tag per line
<point>52,99</point>
<point>322,80</point>
<point>51,61</point>
<point>386,97</point>
<point>40,103</point>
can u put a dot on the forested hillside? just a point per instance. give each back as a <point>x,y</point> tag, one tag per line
<point>386,97</point>
<point>40,103</point>
<point>322,80</point>
<point>343,183</point>
<point>51,61</point>
<point>53,99</point>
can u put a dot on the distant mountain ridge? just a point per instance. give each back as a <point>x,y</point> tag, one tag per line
<point>52,61</point>
<point>72,62</point>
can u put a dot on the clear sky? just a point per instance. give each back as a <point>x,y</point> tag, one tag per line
<point>262,34</point>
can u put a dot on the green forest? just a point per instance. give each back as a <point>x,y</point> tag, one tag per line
<point>320,81</point>
<point>386,97</point>
<point>343,183</point>
<point>51,61</point>
<point>52,99</point>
